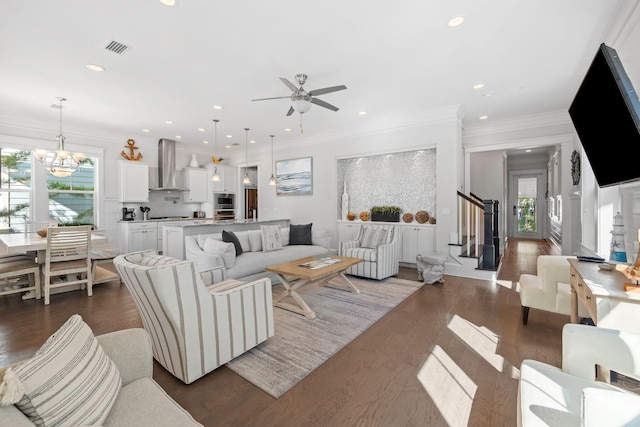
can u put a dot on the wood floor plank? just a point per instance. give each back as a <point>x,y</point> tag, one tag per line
<point>449,355</point>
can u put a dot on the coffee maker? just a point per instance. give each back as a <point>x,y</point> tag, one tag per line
<point>128,214</point>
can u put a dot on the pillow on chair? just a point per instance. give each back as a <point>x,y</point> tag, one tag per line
<point>372,237</point>
<point>69,380</point>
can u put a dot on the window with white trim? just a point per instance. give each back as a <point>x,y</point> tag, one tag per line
<point>15,189</point>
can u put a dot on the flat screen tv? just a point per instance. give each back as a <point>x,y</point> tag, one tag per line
<point>606,115</point>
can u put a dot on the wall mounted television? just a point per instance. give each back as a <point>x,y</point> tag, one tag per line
<point>606,115</point>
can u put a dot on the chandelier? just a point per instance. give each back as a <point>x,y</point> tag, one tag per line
<point>61,162</point>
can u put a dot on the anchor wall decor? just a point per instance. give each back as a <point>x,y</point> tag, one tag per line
<point>132,148</point>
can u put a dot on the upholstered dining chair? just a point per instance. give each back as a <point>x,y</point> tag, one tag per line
<point>68,259</point>
<point>19,274</point>
<point>195,326</point>
<point>379,249</point>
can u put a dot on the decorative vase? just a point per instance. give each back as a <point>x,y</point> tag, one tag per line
<point>345,202</point>
<point>194,162</point>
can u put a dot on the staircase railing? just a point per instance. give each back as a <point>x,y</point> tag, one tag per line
<point>470,223</point>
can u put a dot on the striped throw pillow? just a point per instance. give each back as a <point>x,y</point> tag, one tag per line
<point>70,380</point>
<point>372,237</point>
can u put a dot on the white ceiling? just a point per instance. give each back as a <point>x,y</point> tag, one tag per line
<point>396,58</point>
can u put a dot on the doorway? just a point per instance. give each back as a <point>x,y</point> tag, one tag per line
<point>251,205</point>
<point>528,204</point>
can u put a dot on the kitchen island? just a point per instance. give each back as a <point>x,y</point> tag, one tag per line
<point>173,235</point>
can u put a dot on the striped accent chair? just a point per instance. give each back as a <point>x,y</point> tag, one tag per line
<point>379,249</point>
<point>195,327</point>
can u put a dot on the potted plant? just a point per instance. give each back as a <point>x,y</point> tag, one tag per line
<point>386,213</point>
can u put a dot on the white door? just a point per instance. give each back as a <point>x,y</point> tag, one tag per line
<point>528,205</point>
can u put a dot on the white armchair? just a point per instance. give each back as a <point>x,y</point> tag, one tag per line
<point>195,327</point>
<point>379,249</point>
<point>549,289</point>
<point>571,396</point>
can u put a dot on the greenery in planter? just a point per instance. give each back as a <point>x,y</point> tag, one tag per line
<point>386,210</point>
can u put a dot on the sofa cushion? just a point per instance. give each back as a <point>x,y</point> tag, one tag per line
<point>226,250</point>
<point>230,237</point>
<point>70,380</point>
<point>372,237</point>
<point>255,240</point>
<point>271,240</point>
<point>300,234</point>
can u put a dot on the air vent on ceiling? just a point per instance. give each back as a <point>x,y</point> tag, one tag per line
<point>56,106</point>
<point>116,47</point>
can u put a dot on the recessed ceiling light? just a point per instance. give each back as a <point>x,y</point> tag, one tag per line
<point>287,130</point>
<point>169,122</point>
<point>218,107</point>
<point>483,117</point>
<point>146,130</point>
<point>253,141</point>
<point>528,150</point>
<point>178,137</point>
<point>200,130</point>
<point>229,136</point>
<point>362,113</point>
<point>169,3</point>
<point>227,146</point>
<point>478,86</point>
<point>205,142</point>
<point>487,95</point>
<point>455,22</point>
<point>95,67</point>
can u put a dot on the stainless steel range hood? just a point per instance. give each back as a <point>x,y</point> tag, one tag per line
<point>167,166</point>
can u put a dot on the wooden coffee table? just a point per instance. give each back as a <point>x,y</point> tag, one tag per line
<point>293,276</point>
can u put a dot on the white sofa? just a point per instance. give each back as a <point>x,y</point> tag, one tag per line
<point>571,396</point>
<point>141,401</point>
<point>250,265</point>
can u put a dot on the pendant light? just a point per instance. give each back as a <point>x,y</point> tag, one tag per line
<point>272,180</point>
<point>215,176</point>
<point>60,163</point>
<point>246,180</point>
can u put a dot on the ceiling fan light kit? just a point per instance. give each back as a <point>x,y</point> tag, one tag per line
<point>301,100</point>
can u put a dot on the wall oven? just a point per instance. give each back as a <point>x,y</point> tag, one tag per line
<point>224,206</point>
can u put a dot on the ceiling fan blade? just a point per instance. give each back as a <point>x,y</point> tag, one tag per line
<point>290,112</point>
<point>289,84</point>
<point>324,104</point>
<point>322,91</point>
<point>266,99</point>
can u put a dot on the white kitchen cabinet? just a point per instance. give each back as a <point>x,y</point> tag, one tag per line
<point>138,236</point>
<point>195,181</point>
<point>414,240</point>
<point>134,182</point>
<point>348,230</point>
<point>228,179</point>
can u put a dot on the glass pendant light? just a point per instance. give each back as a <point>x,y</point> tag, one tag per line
<point>272,180</point>
<point>246,180</point>
<point>60,163</point>
<point>215,176</point>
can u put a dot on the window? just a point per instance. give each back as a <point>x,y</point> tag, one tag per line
<point>71,199</point>
<point>15,189</point>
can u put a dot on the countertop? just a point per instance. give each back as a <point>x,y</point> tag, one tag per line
<point>227,222</point>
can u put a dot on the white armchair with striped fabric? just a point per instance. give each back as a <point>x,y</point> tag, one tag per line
<point>379,249</point>
<point>195,327</point>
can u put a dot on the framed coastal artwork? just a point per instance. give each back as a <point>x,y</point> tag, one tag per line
<point>294,177</point>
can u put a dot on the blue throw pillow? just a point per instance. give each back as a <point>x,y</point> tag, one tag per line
<point>300,234</point>
<point>230,237</point>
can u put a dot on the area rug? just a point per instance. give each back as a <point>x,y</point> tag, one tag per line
<point>300,344</point>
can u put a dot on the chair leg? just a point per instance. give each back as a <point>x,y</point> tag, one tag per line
<point>525,315</point>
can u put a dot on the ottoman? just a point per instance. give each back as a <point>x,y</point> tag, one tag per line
<point>431,267</point>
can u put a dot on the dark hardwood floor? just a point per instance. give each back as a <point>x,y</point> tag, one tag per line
<point>449,355</point>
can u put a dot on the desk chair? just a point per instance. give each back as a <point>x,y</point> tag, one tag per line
<point>68,256</point>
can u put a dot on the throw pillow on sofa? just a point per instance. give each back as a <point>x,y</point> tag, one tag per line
<point>271,238</point>
<point>70,380</point>
<point>255,240</point>
<point>230,237</point>
<point>300,234</point>
<point>226,250</point>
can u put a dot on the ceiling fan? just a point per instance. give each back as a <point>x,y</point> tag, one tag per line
<point>301,100</point>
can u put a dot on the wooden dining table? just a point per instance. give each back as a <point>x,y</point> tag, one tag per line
<point>36,246</point>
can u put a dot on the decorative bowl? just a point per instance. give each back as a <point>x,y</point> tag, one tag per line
<point>42,233</point>
<point>364,216</point>
<point>606,266</point>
